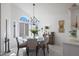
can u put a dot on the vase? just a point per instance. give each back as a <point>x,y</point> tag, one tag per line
<point>34,35</point>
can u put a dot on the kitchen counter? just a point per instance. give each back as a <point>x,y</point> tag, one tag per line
<point>72,42</point>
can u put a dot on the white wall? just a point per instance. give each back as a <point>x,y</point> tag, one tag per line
<point>16,14</point>
<point>0,29</point>
<point>11,13</point>
<point>52,13</point>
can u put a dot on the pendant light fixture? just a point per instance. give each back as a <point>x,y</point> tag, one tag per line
<point>34,20</point>
<point>74,6</point>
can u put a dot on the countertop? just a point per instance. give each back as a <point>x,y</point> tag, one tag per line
<point>72,42</point>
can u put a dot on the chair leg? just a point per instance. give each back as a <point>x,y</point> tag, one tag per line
<point>36,50</point>
<point>17,51</point>
<point>27,49</point>
<point>43,50</point>
<point>47,49</point>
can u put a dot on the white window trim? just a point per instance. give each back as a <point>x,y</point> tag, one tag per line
<point>24,27</point>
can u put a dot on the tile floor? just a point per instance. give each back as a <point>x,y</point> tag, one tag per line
<point>54,50</point>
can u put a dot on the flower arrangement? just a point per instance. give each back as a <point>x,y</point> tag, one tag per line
<point>34,31</point>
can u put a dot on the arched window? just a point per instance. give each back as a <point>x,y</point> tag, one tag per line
<point>24,26</point>
<point>24,18</point>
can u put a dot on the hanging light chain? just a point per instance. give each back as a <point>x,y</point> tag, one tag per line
<point>33,9</point>
<point>34,20</point>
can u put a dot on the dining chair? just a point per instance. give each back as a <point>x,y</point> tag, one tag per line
<point>20,44</point>
<point>44,44</point>
<point>32,44</point>
<point>46,41</point>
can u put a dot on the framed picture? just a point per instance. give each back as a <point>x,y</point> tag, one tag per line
<point>61,25</point>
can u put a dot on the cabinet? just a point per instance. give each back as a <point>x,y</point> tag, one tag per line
<point>52,38</point>
<point>71,48</point>
<point>74,11</point>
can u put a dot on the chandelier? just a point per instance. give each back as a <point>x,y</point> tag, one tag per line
<point>34,20</point>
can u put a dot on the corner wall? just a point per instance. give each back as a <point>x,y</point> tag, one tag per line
<point>0,28</point>
<point>5,14</point>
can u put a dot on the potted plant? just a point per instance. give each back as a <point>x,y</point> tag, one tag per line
<point>73,33</point>
<point>46,27</point>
